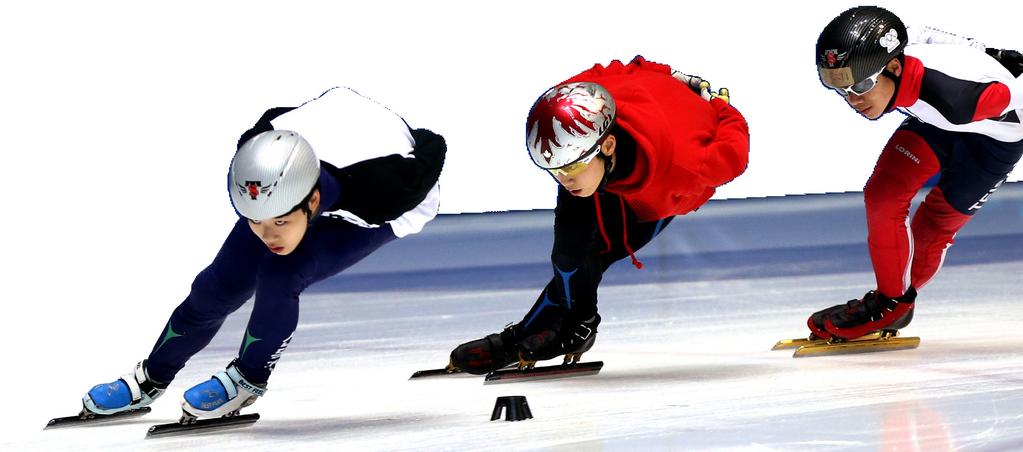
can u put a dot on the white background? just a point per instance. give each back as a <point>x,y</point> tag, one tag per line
<point>119,120</point>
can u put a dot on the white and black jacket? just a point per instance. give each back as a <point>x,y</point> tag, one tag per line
<point>961,88</point>
<point>375,169</point>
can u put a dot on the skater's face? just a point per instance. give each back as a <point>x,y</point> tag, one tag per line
<point>583,182</point>
<point>872,103</point>
<point>283,234</point>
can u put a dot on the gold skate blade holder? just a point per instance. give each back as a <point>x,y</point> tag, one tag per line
<point>812,340</point>
<point>873,342</point>
<point>525,364</point>
<point>451,367</point>
<point>572,358</point>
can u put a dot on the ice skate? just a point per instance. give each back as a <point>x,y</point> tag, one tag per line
<point>486,355</point>
<point>874,312</point>
<point>130,392</point>
<point>506,357</point>
<point>126,397</point>
<point>214,404</point>
<point>869,324</point>
<point>559,340</point>
<point>224,394</point>
<point>478,357</point>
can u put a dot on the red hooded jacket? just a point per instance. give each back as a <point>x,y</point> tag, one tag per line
<point>686,146</point>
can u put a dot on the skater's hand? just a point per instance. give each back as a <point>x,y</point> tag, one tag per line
<point>1010,59</point>
<point>721,94</point>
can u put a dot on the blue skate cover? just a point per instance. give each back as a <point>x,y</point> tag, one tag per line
<point>207,396</point>
<point>109,396</point>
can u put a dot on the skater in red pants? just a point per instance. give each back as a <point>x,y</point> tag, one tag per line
<point>963,106</point>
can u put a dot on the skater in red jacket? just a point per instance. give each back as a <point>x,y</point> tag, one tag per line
<point>632,146</point>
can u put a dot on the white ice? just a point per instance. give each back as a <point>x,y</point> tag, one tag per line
<point>686,345</point>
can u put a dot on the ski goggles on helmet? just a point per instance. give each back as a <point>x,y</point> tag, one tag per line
<point>840,80</point>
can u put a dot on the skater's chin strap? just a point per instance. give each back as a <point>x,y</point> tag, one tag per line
<point>625,232</point>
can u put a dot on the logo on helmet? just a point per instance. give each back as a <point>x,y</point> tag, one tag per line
<point>832,57</point>
<point>253,189</point>
<point>570,106</point>
<point>890,41</point>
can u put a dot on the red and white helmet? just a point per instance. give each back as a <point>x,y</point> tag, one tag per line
<point>567,123</point>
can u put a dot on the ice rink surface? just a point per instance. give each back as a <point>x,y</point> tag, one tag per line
<point>686,344</point>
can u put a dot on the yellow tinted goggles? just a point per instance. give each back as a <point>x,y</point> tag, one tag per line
<point>573,169</point>
<point>570,170</point>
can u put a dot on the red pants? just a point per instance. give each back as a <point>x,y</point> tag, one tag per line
<point>972,167</point>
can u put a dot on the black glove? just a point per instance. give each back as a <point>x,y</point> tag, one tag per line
<point>1010,59</point>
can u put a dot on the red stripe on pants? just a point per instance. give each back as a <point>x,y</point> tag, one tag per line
<point>905,164</point>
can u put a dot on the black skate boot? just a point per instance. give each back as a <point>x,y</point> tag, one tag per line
<point>816,320</point>
<point>482,356</point>
<point>875,312</point>
<point>569,339</point>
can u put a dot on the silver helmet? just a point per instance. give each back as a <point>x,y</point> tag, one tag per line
<point>271,173</point>
<point>567,123</point>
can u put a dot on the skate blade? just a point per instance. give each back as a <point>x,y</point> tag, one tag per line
<point>443,372</point>
<point>857,346</point>
<point>74,421</point>
<point>544,372</point>
<point>447,372</point>
<point>202,425</point>
<point>796,343</point>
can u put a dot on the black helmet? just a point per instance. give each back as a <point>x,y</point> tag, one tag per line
<point>858,44</point>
